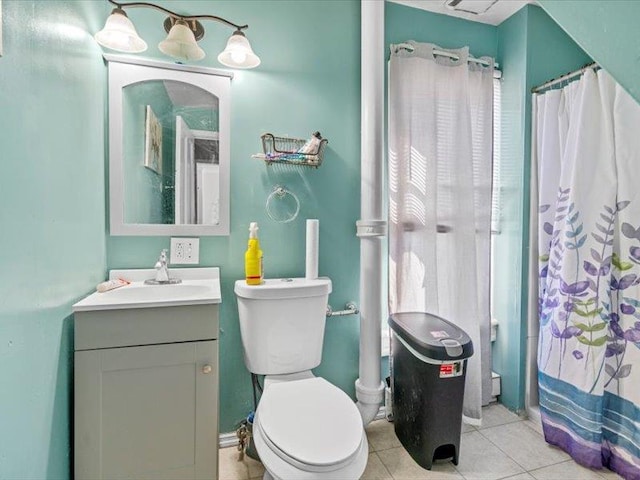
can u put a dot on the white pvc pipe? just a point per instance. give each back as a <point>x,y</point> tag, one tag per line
<point>371,227</point>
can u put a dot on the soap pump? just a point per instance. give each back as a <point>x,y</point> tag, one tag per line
<point>253,257</point>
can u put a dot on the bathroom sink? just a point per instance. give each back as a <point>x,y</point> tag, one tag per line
<point>199,286</point>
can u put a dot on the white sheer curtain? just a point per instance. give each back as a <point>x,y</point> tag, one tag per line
<point>440,141</point>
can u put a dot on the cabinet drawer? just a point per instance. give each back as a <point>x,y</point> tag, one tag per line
<point>145,326</point>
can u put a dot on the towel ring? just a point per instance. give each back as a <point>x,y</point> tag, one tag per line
<point>280,193</point>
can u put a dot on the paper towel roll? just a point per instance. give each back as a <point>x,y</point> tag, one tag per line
<point>311,270</point>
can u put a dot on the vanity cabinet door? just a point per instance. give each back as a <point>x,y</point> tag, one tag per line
<point>147,412</point>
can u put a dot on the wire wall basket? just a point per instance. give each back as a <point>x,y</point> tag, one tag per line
<point>288,150</point>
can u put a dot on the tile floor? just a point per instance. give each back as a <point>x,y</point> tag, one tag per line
<point>505,447</point>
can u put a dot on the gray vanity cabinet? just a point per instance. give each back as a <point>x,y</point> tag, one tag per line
<point>146,393</point>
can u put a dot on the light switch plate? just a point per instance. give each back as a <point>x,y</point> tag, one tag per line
<point>185,251</point>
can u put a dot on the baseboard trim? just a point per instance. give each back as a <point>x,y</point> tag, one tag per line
<point>229,439</point>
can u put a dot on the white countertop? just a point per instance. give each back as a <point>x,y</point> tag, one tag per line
<point>200,286</point>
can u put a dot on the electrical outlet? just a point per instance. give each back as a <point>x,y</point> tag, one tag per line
<point>185,251</point>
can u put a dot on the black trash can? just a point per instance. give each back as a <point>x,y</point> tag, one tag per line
<point>428,371</point>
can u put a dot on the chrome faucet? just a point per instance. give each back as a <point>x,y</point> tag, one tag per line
<point>162,272</point>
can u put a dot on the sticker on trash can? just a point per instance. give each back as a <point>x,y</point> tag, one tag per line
<point>439,334</point>
<point>448,370</point>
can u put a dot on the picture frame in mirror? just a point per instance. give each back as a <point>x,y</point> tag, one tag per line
<point>153,142</point>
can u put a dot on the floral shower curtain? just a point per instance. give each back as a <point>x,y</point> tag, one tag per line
<point>588,159</point>
<point>440,145</point>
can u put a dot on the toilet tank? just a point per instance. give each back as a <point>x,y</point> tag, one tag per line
<point>282,324</point>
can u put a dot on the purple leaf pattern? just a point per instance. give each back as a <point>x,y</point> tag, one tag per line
<point>583,312</point>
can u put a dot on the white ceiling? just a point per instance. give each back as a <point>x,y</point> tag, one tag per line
<point>497,13</point>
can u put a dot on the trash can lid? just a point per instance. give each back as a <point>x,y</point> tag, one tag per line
<point>432,336</point>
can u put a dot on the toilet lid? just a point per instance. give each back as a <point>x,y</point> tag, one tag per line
<point>311,421</point>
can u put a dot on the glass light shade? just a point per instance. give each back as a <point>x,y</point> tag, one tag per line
<point>181,43</point>
<point>238,52</point>
<point>120,34</point>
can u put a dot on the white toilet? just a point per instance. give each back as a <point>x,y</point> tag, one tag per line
<point>305,427</point>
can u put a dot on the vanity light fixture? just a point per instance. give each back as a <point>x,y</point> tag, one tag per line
<point>120,34</point>
<point>184,31</point>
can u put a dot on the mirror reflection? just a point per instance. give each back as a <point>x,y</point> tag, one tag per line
<point>170,154</point>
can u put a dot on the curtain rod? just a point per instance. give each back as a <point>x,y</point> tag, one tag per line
<point>442,53</point>
<point>568,76</point>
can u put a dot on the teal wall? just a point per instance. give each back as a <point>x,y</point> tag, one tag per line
<point>198,118</point>
<point>608,31</point>
<point>309,80</point>
<point>52,212</point>
<point>524,44</point>
<point>404,23</point>
<point>508,351</point>
<point>143,192</point>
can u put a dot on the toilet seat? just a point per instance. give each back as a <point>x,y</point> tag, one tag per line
<point>310,424</point>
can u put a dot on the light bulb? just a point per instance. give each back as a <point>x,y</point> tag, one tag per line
<point>238,56</point>
<point>238,52</point>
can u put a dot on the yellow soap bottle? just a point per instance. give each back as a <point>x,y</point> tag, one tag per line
<point>253,258</point>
